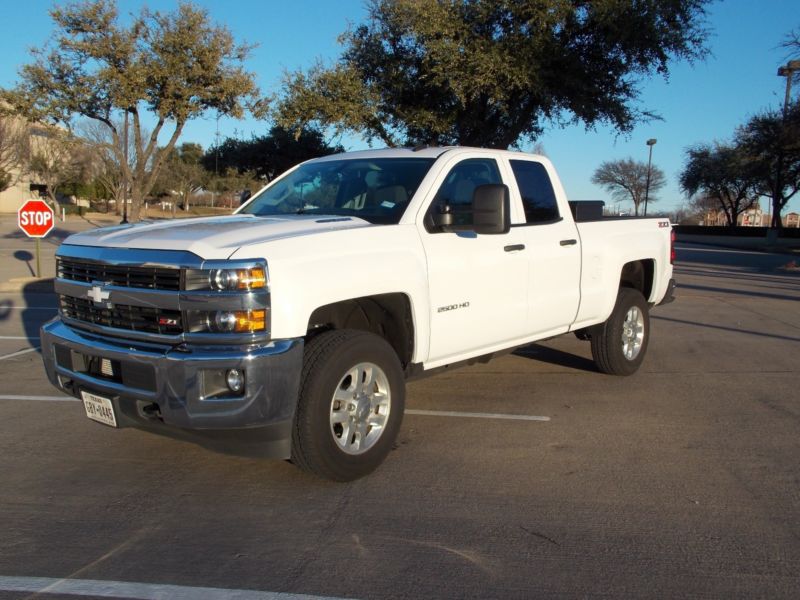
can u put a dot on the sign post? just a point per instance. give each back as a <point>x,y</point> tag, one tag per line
<point>35,218</point>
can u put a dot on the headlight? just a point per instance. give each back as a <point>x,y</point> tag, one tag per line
<point>228,278</point>
<point>237,279</point>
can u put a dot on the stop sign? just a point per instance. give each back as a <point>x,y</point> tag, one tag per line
<point>35,218</point>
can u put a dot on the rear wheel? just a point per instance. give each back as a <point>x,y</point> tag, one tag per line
<point>620,344</point>
<point>350,406</point>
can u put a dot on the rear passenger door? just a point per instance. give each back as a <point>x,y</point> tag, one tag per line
<point>552,248</point>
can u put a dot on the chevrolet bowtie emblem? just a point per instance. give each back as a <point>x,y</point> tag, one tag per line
<point>98,294</point>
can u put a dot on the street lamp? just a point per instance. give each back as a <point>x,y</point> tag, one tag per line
<point>788,71</point>
<point>651,142</point>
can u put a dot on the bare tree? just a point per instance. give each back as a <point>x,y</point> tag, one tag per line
<point>107,151</point>
<point>57,157</point>
<point>14,149</point>
<point>791,42</point>
<point>627,180</point>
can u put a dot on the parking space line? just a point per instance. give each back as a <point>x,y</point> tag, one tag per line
<point>409,411</point>
<point>39,398</point>
<point>139,591</point>
<point>19,337</point>
<point>13,354</point>
<point>471,415</point>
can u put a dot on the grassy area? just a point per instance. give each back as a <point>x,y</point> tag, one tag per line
<point>157,213</point>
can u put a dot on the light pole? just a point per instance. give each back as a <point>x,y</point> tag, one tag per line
<point>788,71</point>
<point>651,142</point>
<point>125,176</point>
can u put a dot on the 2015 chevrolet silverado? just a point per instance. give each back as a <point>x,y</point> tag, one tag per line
<point>289,328</point>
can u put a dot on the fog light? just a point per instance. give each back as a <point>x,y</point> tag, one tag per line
<point>235,380</point>
<point>225,321</point>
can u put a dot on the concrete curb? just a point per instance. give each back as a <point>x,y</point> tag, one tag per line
<point>29,284</point>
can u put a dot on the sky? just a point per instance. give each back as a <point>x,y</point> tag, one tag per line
<point>699,103</point>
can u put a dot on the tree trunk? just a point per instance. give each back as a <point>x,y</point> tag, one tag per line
<point>134,214</point>
<point>776,214</point>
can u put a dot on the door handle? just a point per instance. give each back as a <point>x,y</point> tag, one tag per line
<point>514,248</point>
<point>568,242</point>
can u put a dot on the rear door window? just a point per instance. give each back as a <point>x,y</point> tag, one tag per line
<point>538,197</point>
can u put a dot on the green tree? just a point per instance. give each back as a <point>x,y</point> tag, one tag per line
<point>720,172</point>
<point>626,179</point>
<point>230,185</point>
<point>175,66</point>
<point>183,175</point>
<point>268,155</point>
<point>770,143</point>
<point>492,72</point>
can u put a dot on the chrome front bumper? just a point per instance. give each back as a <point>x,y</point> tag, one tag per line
<point>163,388</point>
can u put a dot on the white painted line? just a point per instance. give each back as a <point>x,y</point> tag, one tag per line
<point>39,398</point>
<point>409,411</point>
<point>139,591</point>
<point>13,354</point>
<point>719,250</point>
<point>19,337</point>
<point>471,415</point>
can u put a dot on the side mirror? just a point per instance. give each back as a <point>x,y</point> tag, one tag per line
<point>491,209</point>
<point>443,217</point>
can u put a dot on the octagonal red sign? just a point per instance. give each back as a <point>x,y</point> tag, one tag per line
<point>35,218</point>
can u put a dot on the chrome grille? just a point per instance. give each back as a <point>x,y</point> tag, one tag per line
<point>123,316</point>
<point>154,278</point>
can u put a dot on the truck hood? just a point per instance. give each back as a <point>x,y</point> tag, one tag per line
<point>211,237</point>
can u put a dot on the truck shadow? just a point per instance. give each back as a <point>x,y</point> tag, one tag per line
<point>556,357</point>
<point>39,307</point>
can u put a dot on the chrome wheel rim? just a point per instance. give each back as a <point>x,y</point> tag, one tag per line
<point>360,408</point>
<point>632,333</point>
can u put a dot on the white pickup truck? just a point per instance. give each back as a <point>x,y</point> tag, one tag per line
<point>289,328</point>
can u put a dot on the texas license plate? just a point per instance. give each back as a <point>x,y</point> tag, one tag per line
<point>99,409</point>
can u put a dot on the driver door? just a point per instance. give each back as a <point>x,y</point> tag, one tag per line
<point>477,283</point>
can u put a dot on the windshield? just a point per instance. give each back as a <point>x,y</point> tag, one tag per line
<point>376,190</point>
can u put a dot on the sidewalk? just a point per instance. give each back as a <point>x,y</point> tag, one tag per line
<point>789,246</point>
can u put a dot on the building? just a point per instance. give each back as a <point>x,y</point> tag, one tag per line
<point>753,217</point>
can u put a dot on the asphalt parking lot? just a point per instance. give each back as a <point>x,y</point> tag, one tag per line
<point>680,481</point>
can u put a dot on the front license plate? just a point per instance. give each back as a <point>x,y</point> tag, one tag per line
<point>99,409</point>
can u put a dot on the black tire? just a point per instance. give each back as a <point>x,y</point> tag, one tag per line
<point>607,338</point>
<point>327,359</point>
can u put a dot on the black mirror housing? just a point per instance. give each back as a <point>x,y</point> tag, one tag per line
<point>491,209</point>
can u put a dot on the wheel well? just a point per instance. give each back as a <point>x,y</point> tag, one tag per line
<point>639,276</point>
<point>386,315</point>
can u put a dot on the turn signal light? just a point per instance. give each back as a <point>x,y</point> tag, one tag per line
<point>237,321</point>
<point>252,279</point>
<point>250,320</point>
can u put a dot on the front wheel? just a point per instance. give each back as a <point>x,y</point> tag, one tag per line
<point>619,345</point>
<point>350,407</point>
